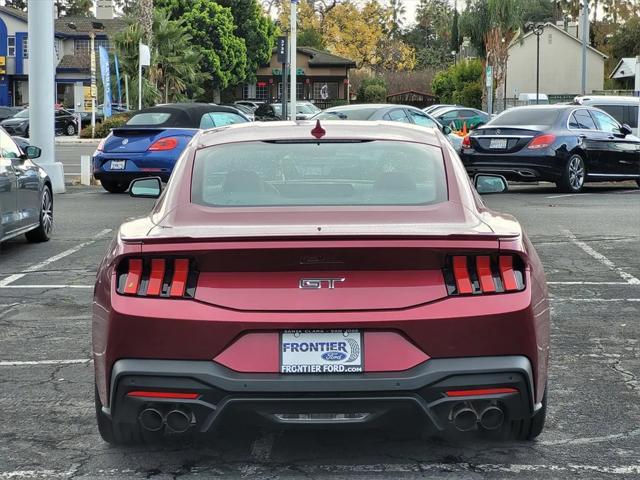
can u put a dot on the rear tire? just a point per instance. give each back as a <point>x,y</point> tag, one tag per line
<point>530,428</point>
<point>43,232</point>
<point>114,187</point>
<point>574,175</point>
<point>70,129</point>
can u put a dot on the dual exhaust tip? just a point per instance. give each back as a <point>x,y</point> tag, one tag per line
<point>465,418</point>
<point>153,420</point>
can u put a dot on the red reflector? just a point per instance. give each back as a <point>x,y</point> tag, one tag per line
<point>156,277</point>
<point>480,391</point>
<point>483,265</point>
<point>133,276</point>
<point>179,282</point>
<point>461,274</point>
<point>542,141</point>
<point>168,143</point>
<point>180,395</point>
<point>507,273</point>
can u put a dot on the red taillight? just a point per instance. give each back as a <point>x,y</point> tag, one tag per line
<point>100,147</point>
<point>466,142</point>
<point>157,277</point>
<point>480,391</point>
<point>541,141</point>
<point>176,395</point>
<point>163,144</point>
<point>481,274</point>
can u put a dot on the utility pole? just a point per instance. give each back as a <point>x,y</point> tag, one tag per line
<point>42,85</point>
<point>294,59</point>
<point>538,30</point>
<point>585,42</point>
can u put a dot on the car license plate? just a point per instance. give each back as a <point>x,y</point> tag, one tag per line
<point>498,143</point>
<point>118,164</point>
<point>321,351</point>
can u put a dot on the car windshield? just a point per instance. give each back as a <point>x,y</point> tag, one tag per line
<point>22,114</point>
<point>262,174</point>
<point>527,116</point>
<point>347,114</point>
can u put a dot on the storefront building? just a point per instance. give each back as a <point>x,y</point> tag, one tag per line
<point>321,77</point>
<point>71,43</point>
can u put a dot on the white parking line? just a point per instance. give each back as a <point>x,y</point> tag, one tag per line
<point>7,363</point>
<point>630,279</point>
<point>568,195</point>
<point>39,266</point>
<point>588,283</point>
<point>46,287</point>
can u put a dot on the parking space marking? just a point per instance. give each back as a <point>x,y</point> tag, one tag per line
<point>587,283</point>
<point>630,279</point>
<point>595,300</point>
<point>39,266</point>
<point>45,287</point>
<point>75,361</point>
<point>568,195</point>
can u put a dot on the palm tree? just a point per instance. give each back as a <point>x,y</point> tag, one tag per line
<point>145,15</point>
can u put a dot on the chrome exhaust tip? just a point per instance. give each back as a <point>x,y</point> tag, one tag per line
<point>491,418</point>
<point>151,419</point>
<point>178,421</point>
<point>464,419</point>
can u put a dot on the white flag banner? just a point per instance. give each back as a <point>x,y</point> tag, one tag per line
<point>145,55</point>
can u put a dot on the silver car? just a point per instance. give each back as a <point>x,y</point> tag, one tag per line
<point>26,200</point>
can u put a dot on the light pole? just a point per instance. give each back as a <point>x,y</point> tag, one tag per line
<point>454,54</point>
<point>538,30</point>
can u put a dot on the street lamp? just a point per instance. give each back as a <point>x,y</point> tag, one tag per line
<point>454,54</point>
<point>537,31</point>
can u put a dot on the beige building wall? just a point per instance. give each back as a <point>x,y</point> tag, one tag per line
<point>560,65</point>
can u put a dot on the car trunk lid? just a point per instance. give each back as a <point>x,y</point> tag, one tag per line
<point>502,140</point>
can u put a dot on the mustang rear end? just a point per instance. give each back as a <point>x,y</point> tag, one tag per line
<point>293,274</point>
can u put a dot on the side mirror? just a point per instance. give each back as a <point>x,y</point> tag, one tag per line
<point>625,129</point>
<point>446,130</point>
<point>32,152</point>
<point>486,183</point>
<point>150,187</point>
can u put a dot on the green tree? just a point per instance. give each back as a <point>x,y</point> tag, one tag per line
<point>431,36</point>
<point>375,94</point>
<point>460,83</point>
<point>310,37</point>
<point>18,4</point>
<point>370,82</point>
<point>398,10</point>
<point>625,42</point>
<point>74,8</point>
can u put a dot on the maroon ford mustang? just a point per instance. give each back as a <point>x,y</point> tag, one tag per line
<point>298,273</point>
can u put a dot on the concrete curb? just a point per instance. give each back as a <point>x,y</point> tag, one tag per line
<point>72,141</point>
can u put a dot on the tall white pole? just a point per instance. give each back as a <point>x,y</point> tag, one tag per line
<point>585,42</point>
<point>42,85</point>
<point>294,55</point>
<point>139,79</point>
<point>94,85</point>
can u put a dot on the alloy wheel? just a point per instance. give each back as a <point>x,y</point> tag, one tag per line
<point>71,129</point>
<point>47,211</point>
<point>576,172</point>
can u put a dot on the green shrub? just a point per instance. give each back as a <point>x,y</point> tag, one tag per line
<point>375,94</point>
<point>103,128</point>
<point>367,82</point>
<point>460,84</point>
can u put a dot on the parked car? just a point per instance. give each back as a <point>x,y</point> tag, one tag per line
<point>351,281</point>
<point>436,106</point>
<point>389,112</point>
<point>8,112</point>
<point>533,99</point>
<point>152,140</point>
<point>242,110</point>
<point>458,117</point>
<point>273,111</point>
<point>252,104</point>
<point>623,109</point>
<point>26,200</point>
<point>564,144</point>
<point>65,123</point>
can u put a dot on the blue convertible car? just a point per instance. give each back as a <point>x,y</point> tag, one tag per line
<point>152,140</point>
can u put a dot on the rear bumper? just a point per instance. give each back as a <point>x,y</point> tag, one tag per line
<point>523,168</point>
<point>137,165</point>
<point>224,394</point>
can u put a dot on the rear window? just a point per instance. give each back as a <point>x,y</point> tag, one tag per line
<point>347,114</point>
<point>149,118</point>
<point>262,174</point>
<point>527,116</point>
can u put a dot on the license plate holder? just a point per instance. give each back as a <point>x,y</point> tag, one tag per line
<point>118,164</point>
<point>321,351</point>
<point>498,143</point>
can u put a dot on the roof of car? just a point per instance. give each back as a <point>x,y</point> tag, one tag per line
<point>364,106</point>
<point>185,115</point>
<point>301,131</point>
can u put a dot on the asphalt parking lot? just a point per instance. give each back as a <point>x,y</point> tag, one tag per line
<point>589,244</point>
